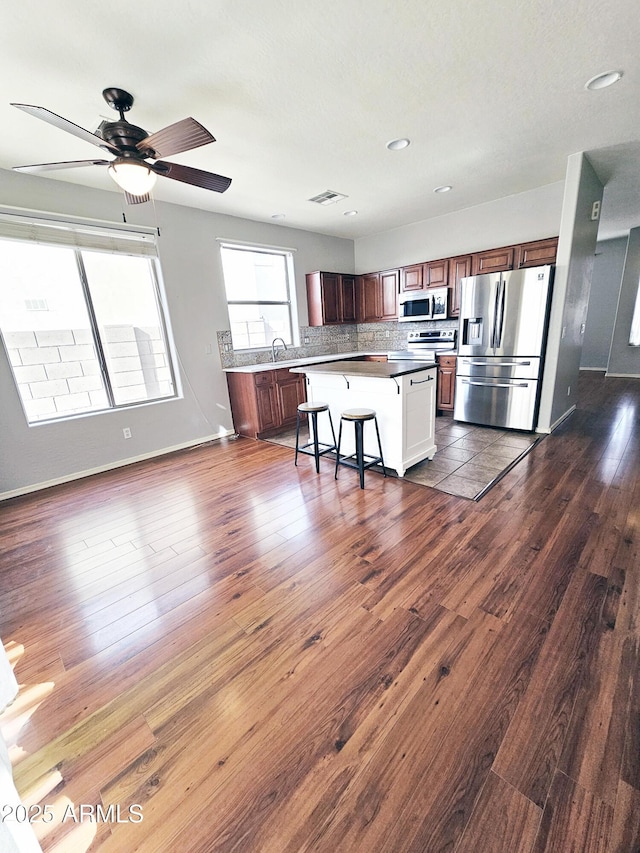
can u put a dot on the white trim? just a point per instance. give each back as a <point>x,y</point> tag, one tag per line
<point>252,245</point>
<point>595,369</point>
<point>623,375</point>
<point>78,475</point>
<point>557,423</point>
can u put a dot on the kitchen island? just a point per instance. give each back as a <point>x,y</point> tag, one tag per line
<point>402,393</point>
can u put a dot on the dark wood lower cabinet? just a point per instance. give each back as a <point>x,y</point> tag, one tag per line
<point>264,401</point>
<point>446,383</point>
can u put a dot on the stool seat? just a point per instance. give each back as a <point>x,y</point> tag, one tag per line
<point>358,414</point>
<point>313,407</point>
<point>318,448</point>
<point>359,460</point>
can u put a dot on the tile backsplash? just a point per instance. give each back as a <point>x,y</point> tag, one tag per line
<point>327,340</point>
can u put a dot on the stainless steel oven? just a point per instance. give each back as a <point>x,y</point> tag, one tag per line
<point>426,344</point>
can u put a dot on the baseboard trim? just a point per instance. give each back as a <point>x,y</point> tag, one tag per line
<point>623,375</point>
<point>557,423</point>
<point>79,475</point>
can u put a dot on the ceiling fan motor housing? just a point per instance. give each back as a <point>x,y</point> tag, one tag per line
<point>125,136</point>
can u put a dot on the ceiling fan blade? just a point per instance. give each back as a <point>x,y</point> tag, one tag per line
<point>69,164</point>
<point>176,138</point>
<point>136,199</point>
<point>65,124</point>
<point>189,175</point>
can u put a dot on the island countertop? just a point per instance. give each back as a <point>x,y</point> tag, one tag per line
<point>374,369</point>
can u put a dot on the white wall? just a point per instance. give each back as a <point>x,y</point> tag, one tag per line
<point>574,265</point>
<point>603,302</point>
<point>520,218</point>
<point>624,360</point>
<point>192,277</point>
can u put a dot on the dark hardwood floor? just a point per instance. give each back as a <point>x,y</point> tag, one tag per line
<point>270,661</point>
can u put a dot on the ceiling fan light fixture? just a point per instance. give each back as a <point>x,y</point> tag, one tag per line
<point>132,176</point>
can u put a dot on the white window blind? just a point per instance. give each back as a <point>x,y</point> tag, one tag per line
<point>77,236</point>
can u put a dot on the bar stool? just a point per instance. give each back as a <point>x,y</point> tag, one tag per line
<point>313,409</point>
<point>357,460</point>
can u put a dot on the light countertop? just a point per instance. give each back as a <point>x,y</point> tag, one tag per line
<point>296,362</point>
<point>376,369</point>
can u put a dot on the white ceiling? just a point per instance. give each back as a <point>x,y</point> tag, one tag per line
<point>303,96</point>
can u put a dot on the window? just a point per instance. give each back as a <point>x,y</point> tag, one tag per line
<point>258,284</point>
<point>81,318</point>
<point>634,337</point>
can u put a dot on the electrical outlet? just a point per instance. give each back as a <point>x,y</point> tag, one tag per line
<point>387,333</point>
<point>126,432</point>
<point>595,210</point>
<point>208,350</point>
<point>306,340</point>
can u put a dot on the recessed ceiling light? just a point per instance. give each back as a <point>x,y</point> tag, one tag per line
<point>443,189</point>
<point>601,81</point>
<point>350,213</point>
<point>398,144</point>
<point>278,216</point>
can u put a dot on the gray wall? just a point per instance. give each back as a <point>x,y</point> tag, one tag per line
<point>624,360</point>
<point>531,215</point>
<point>192,276</point>
<point>603,302</point>
<point>574,265</point>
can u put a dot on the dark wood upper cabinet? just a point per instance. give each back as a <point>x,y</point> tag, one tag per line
<point>537,253</point>
<point>378,296</point>
<point>459,268</point>
<point>389,282</point>
<point>436,273</point>
<point>331,298</point>
<point>411,278</point>
<point>493,260</point>
<point>335,298</point>
<point>348,298</point>
<point>369,298</point>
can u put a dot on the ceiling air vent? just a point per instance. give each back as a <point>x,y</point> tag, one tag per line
<point>327,197</point>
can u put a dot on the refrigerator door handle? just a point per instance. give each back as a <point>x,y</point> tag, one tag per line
<point>495,384</point>
<point>494,324</point>
<point>503,293</point>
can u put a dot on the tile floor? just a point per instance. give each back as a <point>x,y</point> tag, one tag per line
<point>468,460</point>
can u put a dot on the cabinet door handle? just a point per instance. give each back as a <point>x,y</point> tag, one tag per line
<point>420,381</point>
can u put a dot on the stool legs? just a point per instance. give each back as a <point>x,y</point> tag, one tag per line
<point>360,455</point>
<point>315,442</point>
<point>335,475</point>
<point>384,470</point>
<point>360,451</point>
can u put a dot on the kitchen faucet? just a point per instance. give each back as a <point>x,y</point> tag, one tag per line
<point>273,347</point>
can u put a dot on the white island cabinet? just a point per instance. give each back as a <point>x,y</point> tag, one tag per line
<point>403,395</point>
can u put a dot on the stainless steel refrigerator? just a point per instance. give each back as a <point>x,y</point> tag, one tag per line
<point>501,343</point>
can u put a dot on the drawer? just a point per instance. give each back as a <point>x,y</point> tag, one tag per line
<point>263,377</point>
<point>447,360</point>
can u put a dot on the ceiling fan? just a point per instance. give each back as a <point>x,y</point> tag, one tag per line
<point>133,148</point>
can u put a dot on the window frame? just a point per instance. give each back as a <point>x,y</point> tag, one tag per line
<point>120,238</point>
<point>291,303</point>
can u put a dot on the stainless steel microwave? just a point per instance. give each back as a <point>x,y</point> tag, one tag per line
<point>430,304</point>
